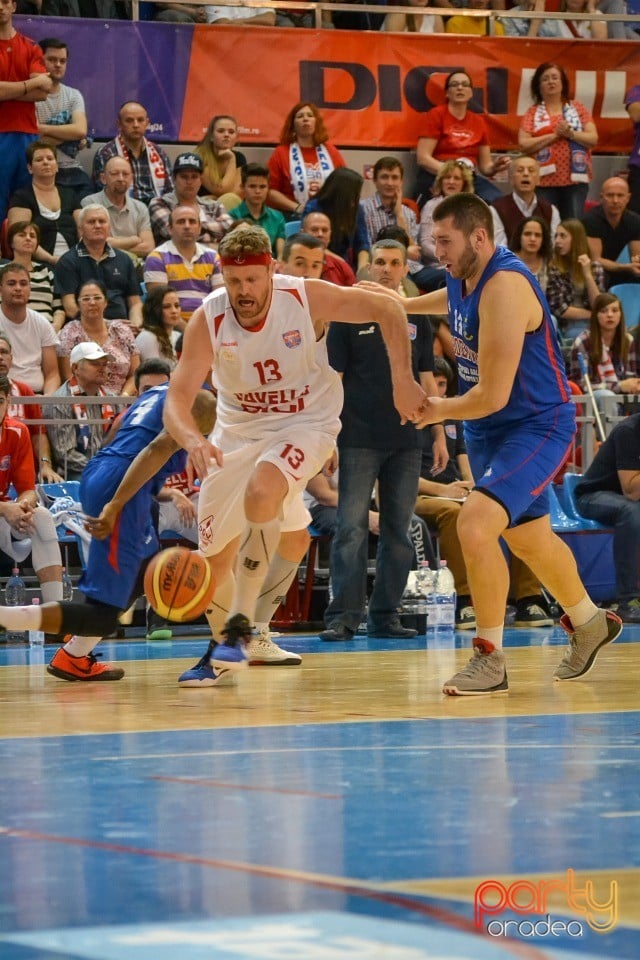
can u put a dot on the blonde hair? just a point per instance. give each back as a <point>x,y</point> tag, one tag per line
<point>447,168</point>
<point>244,240</point>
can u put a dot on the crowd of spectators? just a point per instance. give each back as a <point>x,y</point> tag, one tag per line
<point>102,272</point>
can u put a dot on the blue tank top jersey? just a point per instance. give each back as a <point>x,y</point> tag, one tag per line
<point>540,384</point>
<point>141,424</point>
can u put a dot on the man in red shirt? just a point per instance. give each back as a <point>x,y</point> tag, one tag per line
<point>23,82</point>
<point>335,269</point>
<point>25,526</point>
<point>30,411</point>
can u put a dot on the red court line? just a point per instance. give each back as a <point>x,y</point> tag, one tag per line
<point>218,784</point>
<point>440,915</point>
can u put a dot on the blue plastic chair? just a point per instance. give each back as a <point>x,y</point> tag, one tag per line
<point>590,542</point>
<point>629,296</point>
<point>291,227</point>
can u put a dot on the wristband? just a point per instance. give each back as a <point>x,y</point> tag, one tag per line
<point>45,460</point>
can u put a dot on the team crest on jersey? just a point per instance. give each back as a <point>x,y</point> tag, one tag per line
<point>451,431</point>
<point>292,339</point>
<point>205,531</point>
<point>413,330</point>
<point>5,462</point>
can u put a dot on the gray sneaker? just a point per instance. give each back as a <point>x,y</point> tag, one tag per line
<point>585,642</point>
<point>485,673</point>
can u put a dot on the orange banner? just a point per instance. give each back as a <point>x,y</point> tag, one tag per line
<point>374,87</point>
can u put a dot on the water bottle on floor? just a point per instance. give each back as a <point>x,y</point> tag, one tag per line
<point>15,595</point>
<point>445,592</point>
<point>36,637</point>
<point>67,585</point>
<point>425,579</point>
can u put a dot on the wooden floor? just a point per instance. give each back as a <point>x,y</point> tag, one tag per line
<point>341,809</point>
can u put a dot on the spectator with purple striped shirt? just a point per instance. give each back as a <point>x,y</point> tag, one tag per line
<point>190,268</point>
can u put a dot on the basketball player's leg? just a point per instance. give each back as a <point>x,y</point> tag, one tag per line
<point>513,475</point>
<point>589,627</point>
<point>275,485</point>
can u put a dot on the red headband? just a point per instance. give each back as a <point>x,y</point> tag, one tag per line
<point>247,260</point>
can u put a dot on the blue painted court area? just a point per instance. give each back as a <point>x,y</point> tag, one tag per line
<point>319,841</point>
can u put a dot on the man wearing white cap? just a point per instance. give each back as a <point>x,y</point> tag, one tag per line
<point>78,429</point>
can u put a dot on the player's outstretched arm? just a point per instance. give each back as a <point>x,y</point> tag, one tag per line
<point>354,305</point>
<point>143,468</point>
<point>508,310</point>
<point>433,303</point>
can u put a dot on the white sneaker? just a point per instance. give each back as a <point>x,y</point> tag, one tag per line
<point>262,651</point>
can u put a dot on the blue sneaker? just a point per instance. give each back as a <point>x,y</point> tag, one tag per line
<point>204,674</point>
<point>225,658</point>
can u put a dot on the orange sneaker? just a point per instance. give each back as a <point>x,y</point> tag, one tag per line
<point>66,667</point>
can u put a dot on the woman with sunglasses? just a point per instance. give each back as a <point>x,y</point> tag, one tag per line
<point>453,132</point>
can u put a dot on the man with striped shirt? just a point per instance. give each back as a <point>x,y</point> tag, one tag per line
<point>191,269</point>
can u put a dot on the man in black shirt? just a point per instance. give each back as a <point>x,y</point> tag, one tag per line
<point>610,228</point>
<point>375,447</point>
<point>610,493</point>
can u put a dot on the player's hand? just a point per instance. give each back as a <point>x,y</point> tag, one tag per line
<point>100,527</point>
<point>429,412</point>
<point>201,456</point>
<point>408,399</point>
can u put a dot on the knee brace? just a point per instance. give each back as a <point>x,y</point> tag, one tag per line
<point>92,618</point>
<point>45,549</point>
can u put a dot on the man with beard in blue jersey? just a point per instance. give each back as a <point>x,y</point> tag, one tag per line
<point>519,424</point>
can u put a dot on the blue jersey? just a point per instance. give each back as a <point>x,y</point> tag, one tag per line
<point>114,564</point>
<point>540,385</point>
<point>141,424</point>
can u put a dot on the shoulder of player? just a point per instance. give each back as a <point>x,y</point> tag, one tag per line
<point>506,282</point>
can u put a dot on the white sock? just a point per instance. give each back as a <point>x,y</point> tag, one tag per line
<point>51,591</point>
<point>582,612</point>
<point>492,635</point>
<point>81,646</point>
<point>217,613</point>
<point>257,550</point>
<point>21,618</point>
<point>274,589</point>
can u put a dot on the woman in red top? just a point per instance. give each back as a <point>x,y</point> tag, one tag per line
<point>453,132</point>
<point>560,132</point>
<point>303,161</point>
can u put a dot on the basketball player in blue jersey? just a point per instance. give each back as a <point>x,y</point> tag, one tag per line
<point>519,425</point>
<point>116,490</point>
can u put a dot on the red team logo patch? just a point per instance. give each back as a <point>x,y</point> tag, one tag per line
<point>292,338</point>
<point>205,531</point>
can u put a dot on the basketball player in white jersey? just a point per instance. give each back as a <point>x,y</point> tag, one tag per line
<point>279,403</point>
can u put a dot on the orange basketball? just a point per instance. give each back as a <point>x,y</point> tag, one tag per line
<point>178,584</point>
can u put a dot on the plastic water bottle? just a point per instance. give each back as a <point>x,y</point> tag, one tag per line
<point>445,596</point>
<point>425,597</point>
<point>15,595</point>
<point>67,585</point>
<point>36,637</point>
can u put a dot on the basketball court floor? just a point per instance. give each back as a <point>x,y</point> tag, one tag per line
<point>341,810</point>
